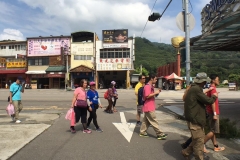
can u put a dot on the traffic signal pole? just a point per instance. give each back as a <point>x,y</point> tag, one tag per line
<point>187,40</point>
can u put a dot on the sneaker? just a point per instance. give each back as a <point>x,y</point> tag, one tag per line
<point>99,130</point>
<point>18,121</point>
<point>139,123</point>
<point>217,149</point>
<point>13,118</point>
<point>87,131</point>
<point>162,136</point>
<point>143,135</point>
<point>88,128</point>
<point>183,145</point>
<point>72,130</point>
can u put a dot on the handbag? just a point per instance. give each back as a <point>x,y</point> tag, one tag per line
<point>13,94</point>
<point>69,114</point>
<point>10,109</point>
<point>81,103</point>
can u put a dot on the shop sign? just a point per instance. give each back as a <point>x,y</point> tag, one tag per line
<point>20,64</point>
<point>114,64</point>
<point>117,60</point>
<point>115,38</point>
<point>47,46</point>
<point>56,75</point>
<point>214,6</point>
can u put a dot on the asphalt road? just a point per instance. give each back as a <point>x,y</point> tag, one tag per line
<point>58,143</point>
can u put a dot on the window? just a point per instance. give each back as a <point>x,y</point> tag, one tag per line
<point>115,72</point>
<point>23,47</point>
<point>41,61</point>
<point>3,47</point>
<point>124,54</point>
<point>82,57</point>
<point>115,53</point>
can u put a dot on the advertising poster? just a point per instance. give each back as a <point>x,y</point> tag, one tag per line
<point>47,46</point>
<point>115,38</point>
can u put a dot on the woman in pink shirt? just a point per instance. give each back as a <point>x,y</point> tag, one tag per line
<point>80,111</point>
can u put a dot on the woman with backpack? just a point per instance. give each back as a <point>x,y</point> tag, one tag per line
<point>115,96</point>
<point>109,95</point>
<point>79,103</point>
<point>93,103</point>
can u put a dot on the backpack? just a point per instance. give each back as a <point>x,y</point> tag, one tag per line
<point>106,94</point>
<point>140,96</point>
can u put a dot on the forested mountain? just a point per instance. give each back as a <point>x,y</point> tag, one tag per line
<point>152,55</point>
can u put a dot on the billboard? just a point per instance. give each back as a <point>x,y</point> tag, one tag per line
<point>115,38</point>
<point>47,46</point>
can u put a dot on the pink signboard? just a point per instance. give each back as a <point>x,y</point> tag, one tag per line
<point>47,46</point>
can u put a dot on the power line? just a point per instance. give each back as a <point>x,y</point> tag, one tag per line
<point>147,20</point>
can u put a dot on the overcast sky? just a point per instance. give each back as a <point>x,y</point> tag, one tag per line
<point>29,18</point>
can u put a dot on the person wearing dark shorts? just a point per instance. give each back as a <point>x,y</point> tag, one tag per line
<point>213,112</point>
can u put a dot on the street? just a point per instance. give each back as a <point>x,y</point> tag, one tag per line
<point>119,140</point>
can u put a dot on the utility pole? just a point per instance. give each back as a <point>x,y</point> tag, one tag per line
<point>187,40</point>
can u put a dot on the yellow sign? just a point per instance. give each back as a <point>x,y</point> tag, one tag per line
<point>20,64</point>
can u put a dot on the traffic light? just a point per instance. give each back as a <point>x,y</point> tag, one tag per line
<point>154,17</point>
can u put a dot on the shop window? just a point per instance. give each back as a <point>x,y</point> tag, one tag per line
<point>115,72</point>
<point>107,72</point>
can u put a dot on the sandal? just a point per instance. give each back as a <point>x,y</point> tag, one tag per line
<point>115,110</point>
<point>219,149</point>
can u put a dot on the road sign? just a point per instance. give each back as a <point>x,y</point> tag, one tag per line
<point>125,128</point>
<point>180,21</point>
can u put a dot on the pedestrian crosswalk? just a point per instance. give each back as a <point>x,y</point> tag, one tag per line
<point>179,101</point>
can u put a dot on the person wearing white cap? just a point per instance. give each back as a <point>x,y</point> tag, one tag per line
<point>115,97</point>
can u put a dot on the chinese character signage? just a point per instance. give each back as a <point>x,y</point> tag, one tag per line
<point>20,64</point>
<point>47,46</point>
<point>115,38</point>
<point>114,64</point>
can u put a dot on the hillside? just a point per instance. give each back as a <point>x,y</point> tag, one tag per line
<point>152,55</point>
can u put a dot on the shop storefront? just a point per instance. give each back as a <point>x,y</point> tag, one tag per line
<point>7,77</point>
<point>79,73</point>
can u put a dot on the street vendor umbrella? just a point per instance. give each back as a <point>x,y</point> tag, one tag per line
<point>173,76</point>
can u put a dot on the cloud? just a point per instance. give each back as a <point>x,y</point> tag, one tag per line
<point>66,16</point>
<point>11,34</point>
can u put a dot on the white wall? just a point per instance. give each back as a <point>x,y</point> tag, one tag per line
<point>12,52</point>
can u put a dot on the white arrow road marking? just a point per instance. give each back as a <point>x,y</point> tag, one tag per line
<point>125,128</point>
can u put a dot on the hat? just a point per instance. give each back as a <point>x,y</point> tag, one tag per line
<point>20,78</point>
<point>92,83</point>
<point>113,82</point>
<point>201,77</point>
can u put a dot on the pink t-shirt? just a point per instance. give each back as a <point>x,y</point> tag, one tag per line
<point>81,94</point>
<point>149,104</point>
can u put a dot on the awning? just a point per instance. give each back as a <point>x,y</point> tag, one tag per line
<point>35,72</point>
<point>173,76</point>
<point>6,71</point>
<point>56,69</point>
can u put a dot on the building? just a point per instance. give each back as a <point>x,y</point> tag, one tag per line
<point>114,58</point>
<point>47,61</point>
<point>12,61</point>
<point>83,44</point>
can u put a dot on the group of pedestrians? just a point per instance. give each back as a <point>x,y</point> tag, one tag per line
<point>86,101</point>
<point>200,108</point>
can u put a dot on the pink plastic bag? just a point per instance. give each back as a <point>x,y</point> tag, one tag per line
<point>10,109</point>
<point>69,114</point>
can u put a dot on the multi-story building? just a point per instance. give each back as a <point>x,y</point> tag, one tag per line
<point>114,58</point>
<point>82,56</point>
<point>12,61</point>
<point>47,61</point>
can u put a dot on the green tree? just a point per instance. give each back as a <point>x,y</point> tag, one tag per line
<point>234,78</point>
<point>144,71</point>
